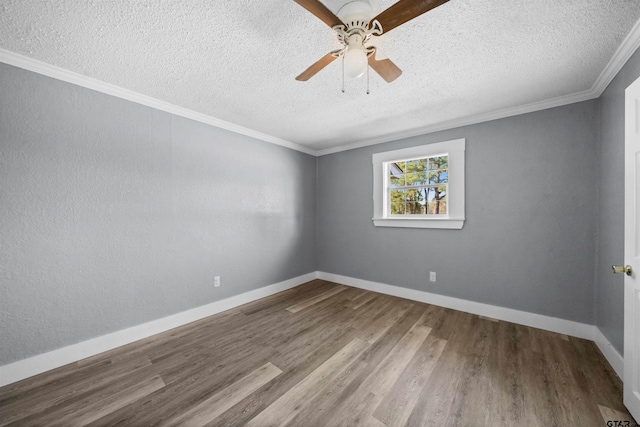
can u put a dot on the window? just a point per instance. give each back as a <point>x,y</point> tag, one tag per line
<point>420,187</point>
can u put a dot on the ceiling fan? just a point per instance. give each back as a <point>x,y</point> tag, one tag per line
<point>355,25</point>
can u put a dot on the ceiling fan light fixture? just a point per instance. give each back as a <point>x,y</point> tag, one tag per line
<point>355,62</point>
<point>354,25</point>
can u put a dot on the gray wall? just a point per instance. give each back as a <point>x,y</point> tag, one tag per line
<point>531,206</point>
<point>609,306</point>
<point>113,214</point>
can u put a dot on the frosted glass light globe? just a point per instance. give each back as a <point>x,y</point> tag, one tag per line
<point>355,63</point>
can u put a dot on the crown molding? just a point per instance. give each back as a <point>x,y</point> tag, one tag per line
<point>59,73</point>
<point>466,121</point>
<point>627,48</point>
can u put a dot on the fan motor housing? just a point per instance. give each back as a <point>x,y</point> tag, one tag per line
<point>356,14</point>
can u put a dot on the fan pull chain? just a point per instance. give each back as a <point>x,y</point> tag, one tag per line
<point>368,79</point>
<point>343,72</point>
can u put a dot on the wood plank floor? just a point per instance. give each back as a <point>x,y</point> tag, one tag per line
<point>324,354</point>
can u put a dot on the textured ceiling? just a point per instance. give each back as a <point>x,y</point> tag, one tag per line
<point>236,60</point>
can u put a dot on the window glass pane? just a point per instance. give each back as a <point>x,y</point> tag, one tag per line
<point>397,208</point>
<point>437,200</point>
<point>396,196</point>
<point>418,165</point>
<point>396,174</point>
<point>397,168</point>
<point>397,181</point>
<point>441,162</point>
<point>438,176</point>
<point>414,201</point>
<point>418,178</point>
<point>408,202</point>
<point>417,195</point>
<point>415,208</point>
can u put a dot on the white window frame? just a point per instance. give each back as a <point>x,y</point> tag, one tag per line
<point>453,219</point>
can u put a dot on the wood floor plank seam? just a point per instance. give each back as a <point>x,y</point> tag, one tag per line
<point>399,403</point>
<point>327,354</point>
<point>68,395</point>
<point>309,302</point>
<point>287,406</point>
<point>210,409</point>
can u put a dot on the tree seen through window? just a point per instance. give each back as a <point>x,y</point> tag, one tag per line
<point>419,186</point>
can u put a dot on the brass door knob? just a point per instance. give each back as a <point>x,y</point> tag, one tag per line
<point>618,269</point>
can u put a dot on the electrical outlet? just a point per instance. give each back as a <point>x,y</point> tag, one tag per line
<point>432,276</point>
<point>216,282</point>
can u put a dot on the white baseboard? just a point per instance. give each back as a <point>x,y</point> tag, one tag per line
<point>554,324</point>
<point>43,362</point>
<point>22,369</point>
<point>614,358</point>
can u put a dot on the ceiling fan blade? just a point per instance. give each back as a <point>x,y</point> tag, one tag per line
<point>386,68</point>
<point>320,11</point>
<point>317,66</point>
<point>404,11</point>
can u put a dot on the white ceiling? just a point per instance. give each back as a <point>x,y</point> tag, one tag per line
<point>236,60</point>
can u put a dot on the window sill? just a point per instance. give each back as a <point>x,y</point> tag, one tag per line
<point>448,223</point>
